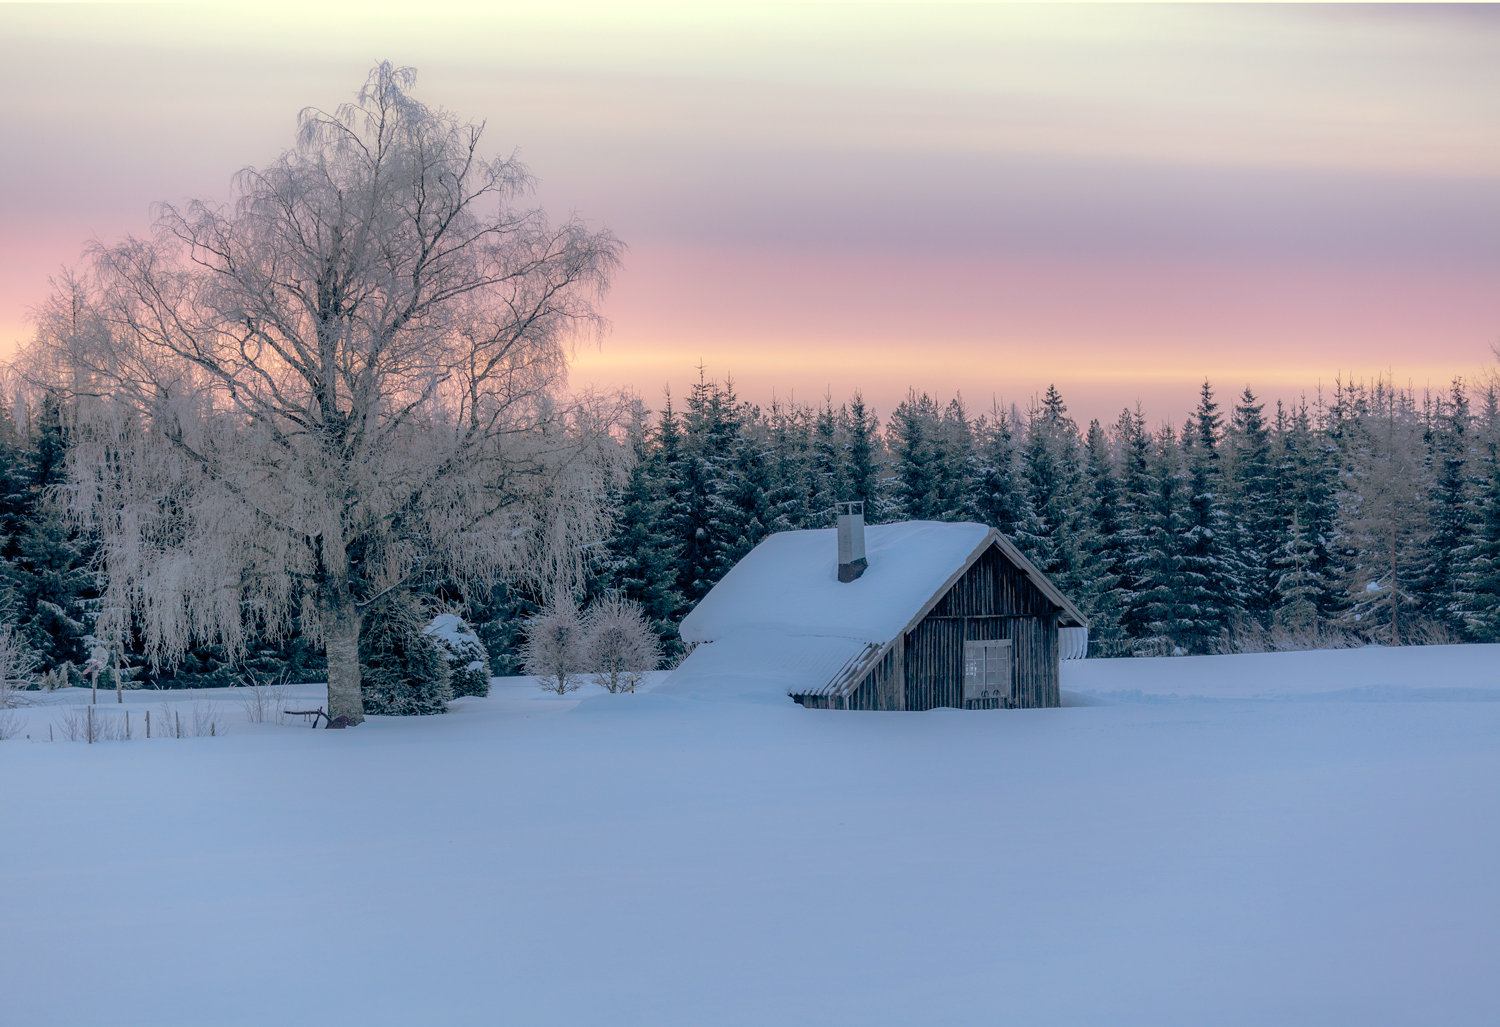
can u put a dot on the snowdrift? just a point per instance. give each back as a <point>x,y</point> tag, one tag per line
<point>1433,673</point>
<point>762,666</point>
<point>1188,847</point>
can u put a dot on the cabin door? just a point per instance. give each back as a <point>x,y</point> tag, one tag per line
<point>987,671</point>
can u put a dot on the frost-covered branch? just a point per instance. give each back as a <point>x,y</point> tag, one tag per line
<point>349,376</point>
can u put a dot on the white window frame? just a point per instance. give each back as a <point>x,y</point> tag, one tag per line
<point>989,669</point>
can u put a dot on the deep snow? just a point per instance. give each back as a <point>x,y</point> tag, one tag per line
<point>1182,846</point>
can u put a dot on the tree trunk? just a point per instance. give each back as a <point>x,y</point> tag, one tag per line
<point>340,621</point>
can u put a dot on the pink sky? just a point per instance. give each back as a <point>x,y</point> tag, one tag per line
<point>987,200</point>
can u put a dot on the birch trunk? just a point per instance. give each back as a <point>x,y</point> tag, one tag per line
<point>340,620</point>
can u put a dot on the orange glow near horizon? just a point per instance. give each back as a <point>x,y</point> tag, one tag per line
<point>802,326</point>
<point>1119,200</point>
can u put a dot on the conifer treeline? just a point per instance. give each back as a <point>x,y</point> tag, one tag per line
<point>1374,516</point>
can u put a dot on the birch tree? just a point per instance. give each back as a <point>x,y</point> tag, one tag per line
<point>347,377</point>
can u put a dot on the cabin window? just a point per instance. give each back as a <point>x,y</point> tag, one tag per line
<point>987,673</point>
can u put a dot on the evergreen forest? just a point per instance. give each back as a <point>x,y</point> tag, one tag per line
<point>1370,515</point>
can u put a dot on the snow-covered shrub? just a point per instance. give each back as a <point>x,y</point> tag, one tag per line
<point>17,661</point>
<point>64,675</point>
<point>468,660</point>
<point>403,671</point>
<point>263,701</point>
<point>198,718</point>
<point>555,651</point>
<point>620,643</point>
<point>86,723</point>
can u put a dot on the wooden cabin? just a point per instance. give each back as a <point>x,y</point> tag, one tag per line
<point>906,616</point>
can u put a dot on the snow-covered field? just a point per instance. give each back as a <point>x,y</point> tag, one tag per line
<point>1179,845</point>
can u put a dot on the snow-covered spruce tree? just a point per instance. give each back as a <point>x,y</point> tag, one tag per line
<point>1159,586</point>
<point>957,463</point>
<point>1306,476</point>
<point>1483,579</point>
<point>499,617</point>
<point>46,586</point>
<point>1211,588</point>
<point>344,380</point>
<point>1054,477</point>
<point>744,497</point>
<point>1295,582</point>
<point>1104,539</point>
<point>1453,512</point>
<point>468,660</point>
<point>620,643</point>
<point>403,670</point>
<point>999,497</point>
<point>912,436</point>
<point>787,436</point>
<point>642,560</point>
<point>692,519</point>
<point>1255,529</point>
<point>555,649</point>
<point>861,431</point>
<point>830,472</point>
<point>1138,491</point>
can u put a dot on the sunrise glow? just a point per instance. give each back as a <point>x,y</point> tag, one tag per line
<point>1119,200</point>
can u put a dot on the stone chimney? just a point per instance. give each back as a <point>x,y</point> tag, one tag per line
<point>852,561</point>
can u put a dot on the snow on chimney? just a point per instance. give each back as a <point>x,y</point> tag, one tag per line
<point>852,562</point>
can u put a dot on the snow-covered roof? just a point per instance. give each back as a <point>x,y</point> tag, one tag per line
<point>768,663</point>
<point>791,581</point>
<point>783,621</point>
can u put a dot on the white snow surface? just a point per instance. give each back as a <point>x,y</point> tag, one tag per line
<point>452,630</point>
<point>1295,838</point>
<point>763,665</point>
<point>790,582</point>
<point>1421,673</point>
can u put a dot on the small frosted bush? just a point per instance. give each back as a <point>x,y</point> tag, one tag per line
<point>620,643</point>
<point>555,648</point>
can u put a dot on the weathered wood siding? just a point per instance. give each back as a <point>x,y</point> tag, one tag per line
<point>992,600</point>
<point>925,669</point>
